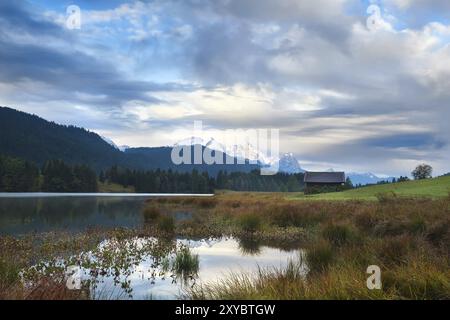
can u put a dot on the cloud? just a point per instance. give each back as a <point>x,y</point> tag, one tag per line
<point>142,71</point>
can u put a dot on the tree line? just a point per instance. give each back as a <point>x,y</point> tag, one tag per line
<point>161,181</point>
<point>18,175</point>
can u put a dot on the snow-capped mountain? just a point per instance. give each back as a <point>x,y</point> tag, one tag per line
<point>246,151</point>
<point>191,141</point>
<point>287,163</point>
<point>366,178</point>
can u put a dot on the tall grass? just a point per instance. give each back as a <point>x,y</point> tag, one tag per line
<point>408,238</point>
<point>151,213</point>
<point>250,222</point>
<point>166,224</point>
<point>186,263</point>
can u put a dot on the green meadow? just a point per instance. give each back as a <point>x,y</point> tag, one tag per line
<point>428,188</point>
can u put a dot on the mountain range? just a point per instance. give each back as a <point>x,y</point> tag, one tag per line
<point>367,178</point>
<point>287,163</point>
<point>32,138</point>
<point>37,140</point>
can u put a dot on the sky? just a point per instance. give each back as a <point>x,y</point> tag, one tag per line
<point>349,87</point>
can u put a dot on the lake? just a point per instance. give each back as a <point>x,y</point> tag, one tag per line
<point>25,213</point>
<point>42,212</point>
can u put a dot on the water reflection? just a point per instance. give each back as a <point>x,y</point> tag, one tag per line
<point>250,246</point>
<point>24,215</point>
<point>146,268</point>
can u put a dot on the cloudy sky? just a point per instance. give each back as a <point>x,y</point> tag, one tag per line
<point>348,89</point>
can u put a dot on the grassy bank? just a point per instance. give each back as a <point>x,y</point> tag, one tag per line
<point>114,188</point>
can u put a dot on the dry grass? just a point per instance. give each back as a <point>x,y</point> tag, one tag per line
<point>408,238</point>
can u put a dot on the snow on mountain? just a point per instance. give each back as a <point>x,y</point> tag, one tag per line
<point>250,152</point>
<point>123,148</point>
<point>246,151</point>
<point>110,142</point>
<point>191,141</point>
<point>287,162</point>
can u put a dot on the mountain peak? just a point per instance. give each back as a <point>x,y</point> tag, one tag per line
<point>289,164</point>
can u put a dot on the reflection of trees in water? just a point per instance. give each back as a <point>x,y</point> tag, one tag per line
<point>60,211</point>
<point>253,246</point>
<point>120,260</point>
<point>17,211</point>
<point>116,207</point>
<point>249,246</point>
<point>39,214</point>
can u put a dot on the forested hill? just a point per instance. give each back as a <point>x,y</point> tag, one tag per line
<point>37,140</point>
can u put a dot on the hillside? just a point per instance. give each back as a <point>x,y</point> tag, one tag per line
<point>431,188</point>
<point>35,139</point>
<point>32,138</point>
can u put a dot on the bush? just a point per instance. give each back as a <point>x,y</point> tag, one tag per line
<point>206,203</point>
<point>338,235</point>
<point>250,222</point>
<point>385,197</point>
<point>324,189</point>
<point>319,257</point>
<point>366,221</point>
<point>186,263</point>
<point>439,234</point>
<point>286,215</point>
<point>9,273</point>
<point>394,251</point>
<point>393,227</point>
<point>418,225</point>
<point>151,214</point>
<point>166,224</point>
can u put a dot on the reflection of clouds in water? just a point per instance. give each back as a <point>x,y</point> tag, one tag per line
<point>217,259</point>
<point>208,243</point>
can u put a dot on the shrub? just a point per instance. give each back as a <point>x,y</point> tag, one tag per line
<point>393,251</point>
<point>9,273</point>
<point>166,224</point>
<point>338,235</point>
<point>323,189</point>
<point>319,256</point>
<point>151,214</point>
<point>206,203</point>
<point>385,197</point>
<point>439,234</point>
<point>418,225</point>
<point>185,262</point>
<point>366,221</point>
<point>393,227</point>
<point>285,215</point>
<point>250,222</point>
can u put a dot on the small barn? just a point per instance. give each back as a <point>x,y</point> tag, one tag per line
<point>324,180</point>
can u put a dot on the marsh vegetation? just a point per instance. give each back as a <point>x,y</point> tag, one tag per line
<point>326,247</point>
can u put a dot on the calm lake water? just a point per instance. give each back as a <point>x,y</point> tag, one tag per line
<point>218,258</point>
<point>42,212</point>
<point>21,214</point>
